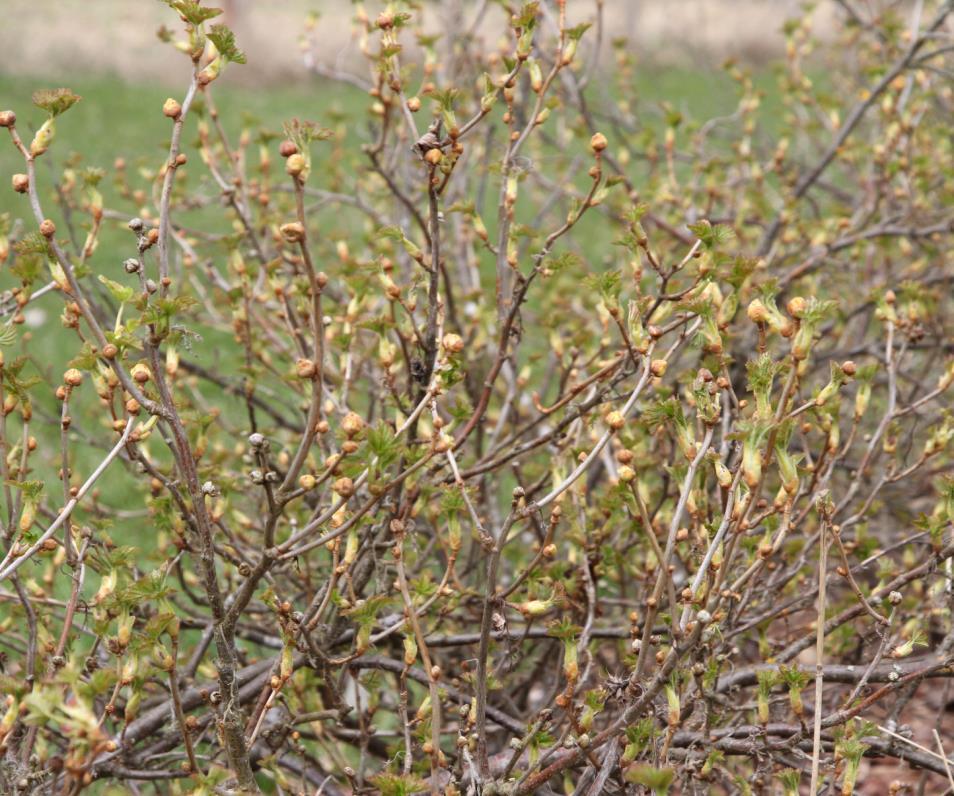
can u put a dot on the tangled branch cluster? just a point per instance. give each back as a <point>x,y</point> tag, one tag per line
<point>471,449</point>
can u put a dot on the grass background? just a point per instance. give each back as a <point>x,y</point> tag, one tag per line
<point>121,119</point>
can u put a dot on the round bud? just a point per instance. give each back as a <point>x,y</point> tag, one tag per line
<point>658,367</point>
<point>352,424</point>
<point>135,224</point>
<point>7,118</point>
<point>131,265</point>
<point>433,156</point>
<point>757,311</point>
<point>626,474</point>
<point>453,343</point>
<point>132,406</point>
<point>171,108</point>
<point>287,148</point>
<point>141,374</point>
<point>414,104</point>
<point>307,481</point>
<point>21,183</point>
<point>295,164</point>
<point>895,597</point>
<point>598,142</point>
<point>796,306</point>
<point>110,351</point>
<point>305,369</point>
<point>256,440</point>
<point>293,232</point>
<point>343,486</point>
<point>47,228</point>
<point>615,420</point>
<point>849,368</point>
<point>385,20</point>
<point>73,377</point>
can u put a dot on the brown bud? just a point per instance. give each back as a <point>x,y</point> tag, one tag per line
<point>796,306</point>
<point>132,406</point>
<point>171,108</point>
<point>47,228</point>
<point>433,156</point>
<point>21,183</point>
<point>414,104</point>
<point>598,142</point>
<point>305,369</point>
<point>110,351</point>
<point>287,148</point>
<point>295,164</point>
<point>849,368</point>
<point>344,487</point>
<point>141,374</point>
<point>757,311</point>
<point>453,343</point>
<point>352,424</point>
<point>615,420</point>
<point>293,232</point>
<point>7,118</point>
<point>658,367</point>
<point>73,377</point>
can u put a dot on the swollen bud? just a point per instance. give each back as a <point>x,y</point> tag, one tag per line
<point>21,183</point>
<point>171,108</point>
<point>598,142</point>
<point>7,118</point>
<point>288,148</point>
<point>296,165</point>
<point>293,232</point>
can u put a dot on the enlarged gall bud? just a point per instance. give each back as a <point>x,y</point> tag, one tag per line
<point>47,228</point>
<point>453,343</point>
<point>433,156</point>
<point>849,368</point>
<point>305,369</point>
<point>343,487</point>
<point>110,351</point>
<point>796,306</point>
<point>21,183</point>
<point>141,374</point>
<point>171,108</point>
<point>352,424</point>
<point>73,377</point>
<point>757,311</point>
<point>293,232</point>
<point>414,104</point>
<point>287,148</point>
<point>658,367</point>
<point>296,164</point>
<point>307,481</point>
<point>598,142</point>
<point>7,118</point>
<point>626,473</point>
<point>615,420</point>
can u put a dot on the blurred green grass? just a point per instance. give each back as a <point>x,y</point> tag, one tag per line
<point>118,119</point>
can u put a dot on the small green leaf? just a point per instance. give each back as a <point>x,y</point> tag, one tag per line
<point>55,100</point>
<point>121,293</point>
<point>224,41</point>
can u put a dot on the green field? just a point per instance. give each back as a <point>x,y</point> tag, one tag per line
<point>118,119</point>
